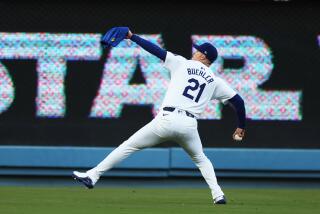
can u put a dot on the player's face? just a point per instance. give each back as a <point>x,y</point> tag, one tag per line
<point>197,56</point>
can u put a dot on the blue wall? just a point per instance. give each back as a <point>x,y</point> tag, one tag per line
<point>160,162</point>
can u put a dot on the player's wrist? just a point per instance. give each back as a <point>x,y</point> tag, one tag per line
<point>134,37</point>
<point>129,35</point>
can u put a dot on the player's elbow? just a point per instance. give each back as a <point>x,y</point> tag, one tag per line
<point>236,100</point>
<point>237,103</point>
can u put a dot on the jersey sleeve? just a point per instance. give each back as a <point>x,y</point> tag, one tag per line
<point>223,91</point>
<point>173,62</point>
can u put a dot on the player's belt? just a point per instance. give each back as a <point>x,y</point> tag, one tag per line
<point>171,109</point>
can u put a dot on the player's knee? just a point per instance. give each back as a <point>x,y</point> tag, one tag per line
<point>127,145</point>
<point>198,158</point>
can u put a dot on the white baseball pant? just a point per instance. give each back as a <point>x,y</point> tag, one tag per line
<point>166,125</point>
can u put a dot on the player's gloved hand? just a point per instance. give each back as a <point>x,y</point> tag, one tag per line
<point>114,36</point>
<point>238,135</point>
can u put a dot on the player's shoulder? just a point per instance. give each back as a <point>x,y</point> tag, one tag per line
<point>220,82</point>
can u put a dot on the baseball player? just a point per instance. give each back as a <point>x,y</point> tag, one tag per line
<point>191,87</point>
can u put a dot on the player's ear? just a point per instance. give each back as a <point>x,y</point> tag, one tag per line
<point>203,57</point>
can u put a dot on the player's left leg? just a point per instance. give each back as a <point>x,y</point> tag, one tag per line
<point>191,143</point>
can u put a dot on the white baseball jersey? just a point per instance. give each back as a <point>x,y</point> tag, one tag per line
<point>193,85</point>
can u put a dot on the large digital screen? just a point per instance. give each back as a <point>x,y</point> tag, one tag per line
<point>58,86</point>
<point>53,50</point>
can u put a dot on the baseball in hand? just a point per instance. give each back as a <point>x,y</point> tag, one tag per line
<point>237,137</point>
<point>238,134</point>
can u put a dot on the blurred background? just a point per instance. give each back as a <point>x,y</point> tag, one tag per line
<point>65,102</point>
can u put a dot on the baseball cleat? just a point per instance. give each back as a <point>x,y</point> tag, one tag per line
<point>220,200</point>
<point>83,178</point>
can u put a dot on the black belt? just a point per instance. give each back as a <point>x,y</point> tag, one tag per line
<point>171,109</point>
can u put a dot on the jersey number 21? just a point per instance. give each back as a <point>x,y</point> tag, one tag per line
<point>194,88</point>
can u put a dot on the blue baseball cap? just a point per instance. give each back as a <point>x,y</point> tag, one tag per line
<point>207,49</point>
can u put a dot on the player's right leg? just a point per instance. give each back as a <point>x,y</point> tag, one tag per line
<point>147,136</point>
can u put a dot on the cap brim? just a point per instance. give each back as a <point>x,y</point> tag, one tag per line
<point>196,46</point>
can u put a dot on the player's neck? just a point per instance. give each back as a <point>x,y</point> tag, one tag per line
<point>201,58</point>
<point>205,62</point>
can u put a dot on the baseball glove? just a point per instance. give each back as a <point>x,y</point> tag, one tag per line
<point>114,36</point>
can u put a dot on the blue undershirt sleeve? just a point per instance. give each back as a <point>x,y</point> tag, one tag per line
<point>238,105</point>
<point>150,47</point>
